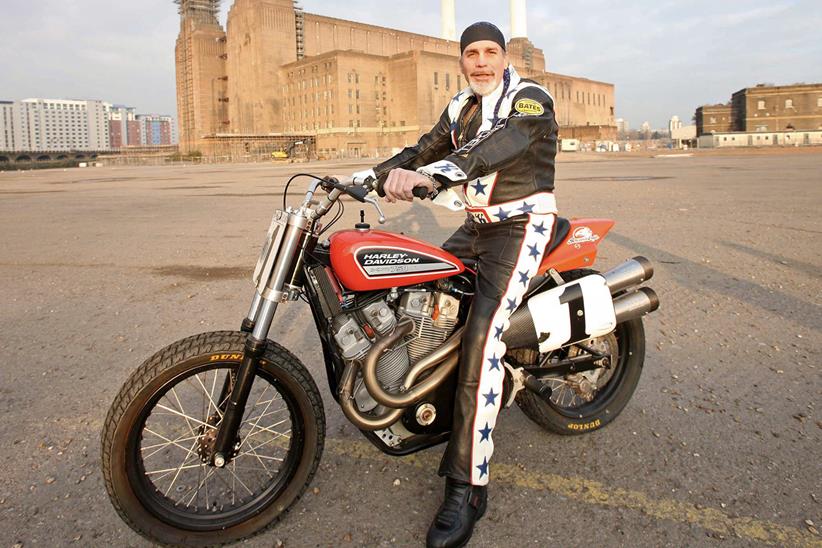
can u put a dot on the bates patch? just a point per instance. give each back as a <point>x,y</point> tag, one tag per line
<point>529,107</point>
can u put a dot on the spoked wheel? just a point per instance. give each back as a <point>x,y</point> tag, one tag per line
<point>159,436</point>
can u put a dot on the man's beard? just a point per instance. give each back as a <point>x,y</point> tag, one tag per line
<point>483,88</point>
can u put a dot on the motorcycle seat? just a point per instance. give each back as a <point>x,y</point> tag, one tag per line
<point>562,229</point>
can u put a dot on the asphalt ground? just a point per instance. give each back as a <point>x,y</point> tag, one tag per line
<point>720,445</point>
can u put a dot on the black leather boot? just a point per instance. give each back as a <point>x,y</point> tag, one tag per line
<point>463,506</point>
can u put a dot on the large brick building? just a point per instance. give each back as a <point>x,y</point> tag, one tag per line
<point>714,119</point>
<point>277,73</point>
<point>765,109</point>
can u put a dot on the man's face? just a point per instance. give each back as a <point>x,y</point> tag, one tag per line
<point>482,63</point>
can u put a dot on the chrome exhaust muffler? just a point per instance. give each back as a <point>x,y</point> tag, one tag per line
<point>633,305</point>
<point>582,309</point>
<point>632,272</point>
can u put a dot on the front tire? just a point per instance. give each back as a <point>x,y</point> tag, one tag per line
<point>157,432</point>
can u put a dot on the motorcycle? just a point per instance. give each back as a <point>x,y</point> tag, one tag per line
<point>213,438</point>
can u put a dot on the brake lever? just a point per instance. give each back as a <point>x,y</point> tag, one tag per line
<point>373,202</point>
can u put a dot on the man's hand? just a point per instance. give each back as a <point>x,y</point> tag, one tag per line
<point>401,182</point>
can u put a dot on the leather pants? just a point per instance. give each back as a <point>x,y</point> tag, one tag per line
<point>509,254</point>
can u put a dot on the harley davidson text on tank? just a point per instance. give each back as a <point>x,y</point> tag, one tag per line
<point>215,437</point>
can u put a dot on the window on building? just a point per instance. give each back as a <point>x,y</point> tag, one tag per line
<point>788,103</point>
<point>447,81</point>
<point>436,79</point>
<point>760,105</point>
<point>713,120</point>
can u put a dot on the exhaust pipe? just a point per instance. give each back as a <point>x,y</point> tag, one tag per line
<point>636,304</point>
<point>523,332</point>
<point>631,272</point>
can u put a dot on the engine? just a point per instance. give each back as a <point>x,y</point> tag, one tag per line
<point>435,315</point>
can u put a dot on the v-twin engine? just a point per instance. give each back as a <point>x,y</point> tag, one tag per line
<point>434,315</point>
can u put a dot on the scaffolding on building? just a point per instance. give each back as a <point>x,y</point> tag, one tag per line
<point>204,11</point>
<point>299,19</point>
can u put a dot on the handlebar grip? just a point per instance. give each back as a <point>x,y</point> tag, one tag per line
<point>379,189</point>
<point>420,192</point>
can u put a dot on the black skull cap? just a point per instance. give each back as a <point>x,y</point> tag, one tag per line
<point>482,30</point>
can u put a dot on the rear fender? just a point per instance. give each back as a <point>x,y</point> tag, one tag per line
<point>580,246</point>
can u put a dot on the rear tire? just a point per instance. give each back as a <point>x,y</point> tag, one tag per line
<point>609,400</point>
<point>180,514</point>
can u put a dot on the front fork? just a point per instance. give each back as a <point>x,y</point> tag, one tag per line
<point>236,388</point>
<point>276,276</point>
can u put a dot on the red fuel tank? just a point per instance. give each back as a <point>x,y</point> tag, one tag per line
<point>367,260</point>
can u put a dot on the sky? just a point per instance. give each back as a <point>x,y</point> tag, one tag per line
<point>665,57</point>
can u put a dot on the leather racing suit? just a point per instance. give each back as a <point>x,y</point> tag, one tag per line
<point>500,150</point>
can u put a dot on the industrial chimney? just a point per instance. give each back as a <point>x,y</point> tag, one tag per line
<point>519,24</point>
<point>449,20</point>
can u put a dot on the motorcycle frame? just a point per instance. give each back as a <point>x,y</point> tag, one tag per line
<point>296,239</point>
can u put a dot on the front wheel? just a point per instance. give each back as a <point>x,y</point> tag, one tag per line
<point>157,435</point>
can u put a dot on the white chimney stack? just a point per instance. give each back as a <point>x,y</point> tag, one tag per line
<point>519,19</point>
<point>448,15</point>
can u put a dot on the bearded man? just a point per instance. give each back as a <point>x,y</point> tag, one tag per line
<point>496,140</point>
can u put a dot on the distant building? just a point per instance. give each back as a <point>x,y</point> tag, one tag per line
<point>123,128</point>
<point>765,109</point>
<point>778,108</point>
<point>128,129</point>
<point>673,124</point>
<point>350,88</point>
<point>714,119</point>
<point>645,129</point>
<point>683,136</point>
<point>155,129</point>
<point>622,126</point>
<point>7,125</point>
<point>54,125</point>
<point>760,139</point>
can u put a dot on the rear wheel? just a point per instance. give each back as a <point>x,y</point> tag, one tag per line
<point>159,431</point>
<point>587,401</point>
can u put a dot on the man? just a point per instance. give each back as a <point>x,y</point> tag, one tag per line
<point>497,141</point>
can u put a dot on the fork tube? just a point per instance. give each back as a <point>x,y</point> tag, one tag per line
<point>263,322</point>
<point>230,425</point>
<point>251,319</point>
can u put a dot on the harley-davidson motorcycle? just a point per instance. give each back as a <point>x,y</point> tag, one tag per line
<point>213,438</point>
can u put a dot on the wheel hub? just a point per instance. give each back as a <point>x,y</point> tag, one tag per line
<point>585,384</point>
